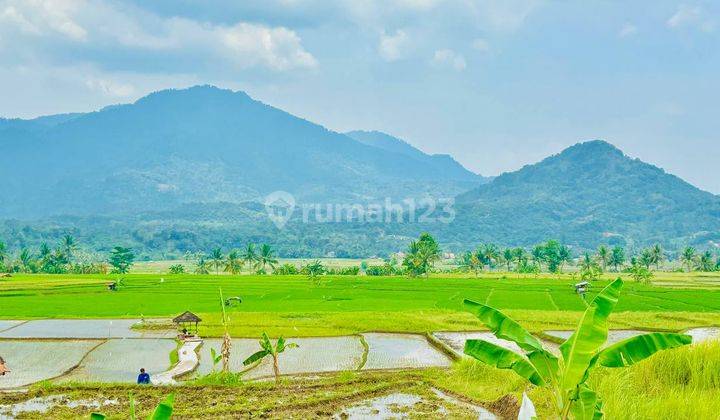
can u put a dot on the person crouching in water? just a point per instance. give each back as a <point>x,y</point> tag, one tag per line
<point>143,377</point>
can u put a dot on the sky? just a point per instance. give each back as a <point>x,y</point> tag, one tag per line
<point>497,84</point>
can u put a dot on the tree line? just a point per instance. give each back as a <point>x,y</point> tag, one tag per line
<point>419,259</point>
<point>64,257</point>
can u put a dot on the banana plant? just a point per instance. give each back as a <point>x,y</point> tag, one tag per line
<point>269,350</point>
<point>163,411</point>
<point>566,376</point>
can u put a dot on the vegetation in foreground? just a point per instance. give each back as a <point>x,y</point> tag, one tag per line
<point>566,376</point>
<point>682,383</point>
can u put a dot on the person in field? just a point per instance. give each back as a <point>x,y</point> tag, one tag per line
<point>3,368</point>
<point>143,377</point>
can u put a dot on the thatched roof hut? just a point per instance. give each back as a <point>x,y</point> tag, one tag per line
<point>187,317</point>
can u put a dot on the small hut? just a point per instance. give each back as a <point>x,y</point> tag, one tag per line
<point>186,319</point>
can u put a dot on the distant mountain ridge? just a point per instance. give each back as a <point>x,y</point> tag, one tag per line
<point>186,170</point>
<point>590,193</point>
<point>201,144</point>
<point>441,163</point>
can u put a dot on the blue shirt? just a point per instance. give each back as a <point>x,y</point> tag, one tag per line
<point>144,378</point>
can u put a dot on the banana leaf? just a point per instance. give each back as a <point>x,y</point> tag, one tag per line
<point>635,349</point>
<point>503,358</point>
<point>255,357</point>
<point>164,410</point>
<point>504,327</point>
<point>580,348</point>
<point>586,405</point>
<point>97,416</point>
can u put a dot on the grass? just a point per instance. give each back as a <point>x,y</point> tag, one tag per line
<point>296,306</point>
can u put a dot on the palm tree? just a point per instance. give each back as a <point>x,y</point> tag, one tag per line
<point>705,262</point>
<point>203,266</point>
<point>25,259</point>
<point>688,257</point>
<point>603,255</point>
<point>217,259</point>
<point>658,255</point>
<point>489,254</point>
<point>538,254</point>
<point>250,256</point>
<point>266,257</point>
<point>617,257</point>
<point>508,256</point>
<point>233,263</point>
<point>3,253</point>
<point>68,246</point>
<point>646,258</point>
<point>519,255</point>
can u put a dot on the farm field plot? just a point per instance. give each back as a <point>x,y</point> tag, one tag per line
<point>33,361</point>
<point>118,360</point>
<point>342,305</point>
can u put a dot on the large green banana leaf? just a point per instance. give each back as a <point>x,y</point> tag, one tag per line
<point>580,348</point>
<point>635,349</point>
<point>504,327</point>
<point>255,357</point>
<point>587,405</point>
<point>164,410</point>
<point>503,358</point>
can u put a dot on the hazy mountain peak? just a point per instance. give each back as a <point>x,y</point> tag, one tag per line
<point>443,163</point>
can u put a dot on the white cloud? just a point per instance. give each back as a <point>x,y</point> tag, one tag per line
<point>100,24</point>
<point>691,16</point>
<point>481,45</point>
<point>627,30</point>
<point>111,88</point>
<point>393,47</point>
<point>447,57</point>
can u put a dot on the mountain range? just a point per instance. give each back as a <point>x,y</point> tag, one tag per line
<point>186,170</point>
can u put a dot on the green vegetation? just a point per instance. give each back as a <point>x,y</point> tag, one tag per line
<point>566,377</point>
<point>268,349</point>
<point>297,306</point>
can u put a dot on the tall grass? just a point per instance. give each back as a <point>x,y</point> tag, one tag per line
<point>677,384</point>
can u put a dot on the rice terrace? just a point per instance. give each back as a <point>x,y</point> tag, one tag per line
<point>359,209</point>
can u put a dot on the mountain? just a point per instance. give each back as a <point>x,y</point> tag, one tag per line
<point>440,163</point>
<point>197,145</point>
<point>591,193</point>
<point>187,170</point>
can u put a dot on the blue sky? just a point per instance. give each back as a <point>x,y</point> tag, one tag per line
<point>497,84</point>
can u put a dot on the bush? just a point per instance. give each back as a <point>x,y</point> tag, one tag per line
<point>177,269</point>
<point>286,269</point>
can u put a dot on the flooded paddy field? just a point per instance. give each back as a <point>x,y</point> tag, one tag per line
<point>392,351</point>
<point>32,361</point>
<point>120,360</point>
<point>78,328</point>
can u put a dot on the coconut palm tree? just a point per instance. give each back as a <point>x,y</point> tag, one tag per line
<point>658,255</point>
<point>266,257</point>
<point>233,263</point>
<point>25,259</point>
<point>603,256</point>
<point>706,262</point>
<point>68,246</point>
<point>508,257</point>
<point>217,259</point>
<point>617,257</point>
<point>687,257</point>
<point>250,255</point>
<point>3,254</point>
<point>202,266</point>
